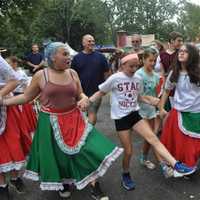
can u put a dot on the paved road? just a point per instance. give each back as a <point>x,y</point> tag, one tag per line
<point>151,185</point>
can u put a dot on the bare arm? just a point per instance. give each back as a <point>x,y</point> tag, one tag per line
<point>10,86</point>
<point>39,66</point>
<point>107,74</point>
<point>149,100</point>
<point>163,99</point>
<point>162,71</point>
<point>41,63</point>
<point>30,64</point>
<point>30,93</point>
<point>97,95</point>
<point>83,102</point>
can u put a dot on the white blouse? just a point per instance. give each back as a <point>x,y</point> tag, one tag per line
<point>6,72</point>
<point>187,94</point>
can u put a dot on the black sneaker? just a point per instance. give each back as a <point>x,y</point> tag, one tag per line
<point>65,193</point>
<point>4,193</point>
<point>18,185</point>
<point>97,193</point>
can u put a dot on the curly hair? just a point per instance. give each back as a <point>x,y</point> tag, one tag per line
<point>192,66</point>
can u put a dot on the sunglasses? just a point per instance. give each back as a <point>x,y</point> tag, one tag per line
<point>135,41</point>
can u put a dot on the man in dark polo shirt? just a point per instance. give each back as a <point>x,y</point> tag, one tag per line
<point>34,59</point>
<point>92,68</point>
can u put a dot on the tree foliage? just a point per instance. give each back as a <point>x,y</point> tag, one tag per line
<point>23,22</point>
<point>190,21</point>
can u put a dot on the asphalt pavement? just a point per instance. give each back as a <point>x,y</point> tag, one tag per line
<point>151,184</point>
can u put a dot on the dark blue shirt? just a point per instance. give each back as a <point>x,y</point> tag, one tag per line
<point>90,68</point>
<point>34,58</point>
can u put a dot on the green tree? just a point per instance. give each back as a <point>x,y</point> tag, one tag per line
<point>143,16</point>
<point>189,21</point>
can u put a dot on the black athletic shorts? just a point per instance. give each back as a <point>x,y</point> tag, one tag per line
<point>127,122</point>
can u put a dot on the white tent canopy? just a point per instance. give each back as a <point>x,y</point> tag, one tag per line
<point>72,52</point>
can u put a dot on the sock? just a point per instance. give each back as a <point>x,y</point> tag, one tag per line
<point>14,178</point>
<point>3,185</point>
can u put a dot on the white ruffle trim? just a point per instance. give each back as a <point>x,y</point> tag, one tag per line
<point>12,166</point>
<point>51,186</point>
<point>106,163</point>
<point>31,175</point>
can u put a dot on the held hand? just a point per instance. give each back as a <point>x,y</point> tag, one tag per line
<point>154,101</point>
<point>83,103</point>
<point>163,113</point>
<point>36,67</point>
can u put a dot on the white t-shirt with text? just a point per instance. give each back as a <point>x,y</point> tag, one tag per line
<point>124,93</point>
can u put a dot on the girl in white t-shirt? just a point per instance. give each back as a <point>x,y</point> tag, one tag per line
<point>125,90</point>
<point>181,131</point>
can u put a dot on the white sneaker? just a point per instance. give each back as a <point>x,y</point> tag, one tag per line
<point>167,171</point>
<point>66,192</point>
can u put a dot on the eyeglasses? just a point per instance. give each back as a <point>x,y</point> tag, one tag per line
<point>183,51</point>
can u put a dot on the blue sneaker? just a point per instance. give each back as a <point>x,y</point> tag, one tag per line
<point>180,169</point>
<point>127,182</point>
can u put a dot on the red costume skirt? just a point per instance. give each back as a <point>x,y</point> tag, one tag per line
<point>14,142</point>
<point>28,116</point>
<point>183,147</point>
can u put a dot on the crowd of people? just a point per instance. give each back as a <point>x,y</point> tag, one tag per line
<point>154,92</point>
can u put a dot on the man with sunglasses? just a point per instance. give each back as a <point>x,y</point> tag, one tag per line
<point>136,41</point>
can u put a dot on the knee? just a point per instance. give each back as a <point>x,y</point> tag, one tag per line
<point>128,152</point>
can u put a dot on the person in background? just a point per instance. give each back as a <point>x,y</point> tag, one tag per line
<point>136,40</point>
<point>92,68</point>
<point>34,59</point>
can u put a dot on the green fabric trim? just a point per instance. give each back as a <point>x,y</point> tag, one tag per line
<point>189,123</point>
<point>59,139</point>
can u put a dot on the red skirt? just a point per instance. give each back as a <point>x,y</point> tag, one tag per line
<point>184,148</point>
<point>28,116</point>
<point>14,143</point>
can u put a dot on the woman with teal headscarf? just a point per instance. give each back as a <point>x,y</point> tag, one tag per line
<point>66,147</point>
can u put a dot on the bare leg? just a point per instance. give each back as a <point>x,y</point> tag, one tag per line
<point>143,128</point>
<point>146,145</point>
<point>92,117</point>
<point>125,139</point>
<point>2,179</point>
